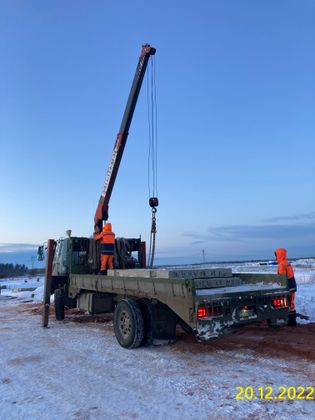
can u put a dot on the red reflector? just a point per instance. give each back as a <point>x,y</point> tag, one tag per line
<point>202,312</point>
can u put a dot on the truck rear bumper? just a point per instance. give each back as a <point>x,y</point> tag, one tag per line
<point>219,326</point>
<point>218,315</point>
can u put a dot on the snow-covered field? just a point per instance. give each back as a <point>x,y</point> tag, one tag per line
<point>78,371</point>
<point>18,288</point>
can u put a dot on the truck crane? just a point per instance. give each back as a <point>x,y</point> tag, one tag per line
<point>149,303</point>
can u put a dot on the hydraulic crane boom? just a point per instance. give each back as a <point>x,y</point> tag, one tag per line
<point>101,213</point>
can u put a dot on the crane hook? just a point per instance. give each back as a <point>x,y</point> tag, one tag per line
<point>153,203</point>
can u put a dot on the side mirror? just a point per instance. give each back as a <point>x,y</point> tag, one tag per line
<point>40,253</point>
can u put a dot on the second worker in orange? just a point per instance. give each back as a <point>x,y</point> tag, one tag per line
<point>107,240</point>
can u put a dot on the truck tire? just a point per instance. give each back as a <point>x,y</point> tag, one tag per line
<point>59,305</point>
<point>128,324</point>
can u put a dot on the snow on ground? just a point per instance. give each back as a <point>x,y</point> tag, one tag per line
<point>78,371</point>
<point>23,288</point>
<point>305,300</point>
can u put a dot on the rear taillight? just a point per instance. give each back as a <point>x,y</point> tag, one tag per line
<point>211,311</point>
<point>202,312</point>
<point>280,303</point>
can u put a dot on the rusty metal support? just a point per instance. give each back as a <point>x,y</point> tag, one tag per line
<point>47,285</point>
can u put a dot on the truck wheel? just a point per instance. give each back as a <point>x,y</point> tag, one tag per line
<point>128,324</point>
<point>59,305</point>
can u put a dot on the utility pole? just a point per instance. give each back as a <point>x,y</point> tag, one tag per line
<point>31,272</point>
<point>203,256</point>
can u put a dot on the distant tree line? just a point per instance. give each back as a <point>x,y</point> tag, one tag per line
<point>17,270</point>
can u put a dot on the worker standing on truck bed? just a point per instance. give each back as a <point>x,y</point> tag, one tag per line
<point>284,267</point>
<point>107,239</point>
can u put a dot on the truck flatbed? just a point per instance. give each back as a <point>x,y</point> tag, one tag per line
<point>209,301</point>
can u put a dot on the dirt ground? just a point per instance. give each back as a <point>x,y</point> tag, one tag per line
<point>286,342</point>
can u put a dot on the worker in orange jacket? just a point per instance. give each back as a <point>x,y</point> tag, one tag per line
<point>107,239</point>
<point>284,267</point>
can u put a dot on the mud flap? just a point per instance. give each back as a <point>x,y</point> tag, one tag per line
<point>163,325</point>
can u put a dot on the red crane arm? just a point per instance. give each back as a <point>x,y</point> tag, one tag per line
<point>101,213</point>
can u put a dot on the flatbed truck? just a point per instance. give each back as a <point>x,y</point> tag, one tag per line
<point>149,303</point>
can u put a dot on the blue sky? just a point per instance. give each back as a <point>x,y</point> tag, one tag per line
<point>236,123</point>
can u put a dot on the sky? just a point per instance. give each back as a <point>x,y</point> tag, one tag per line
<point>235,124</point>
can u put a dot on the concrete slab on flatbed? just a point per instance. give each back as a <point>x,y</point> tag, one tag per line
<point>172,274</point>
<point>248,288</point>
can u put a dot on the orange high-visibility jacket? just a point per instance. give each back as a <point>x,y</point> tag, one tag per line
<point>285,268</point>
<point>284,265</point>
<point>107,238</point>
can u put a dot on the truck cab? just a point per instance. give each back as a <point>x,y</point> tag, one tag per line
<point>79,255</point>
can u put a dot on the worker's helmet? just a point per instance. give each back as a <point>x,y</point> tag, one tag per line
<point>107,227</point>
